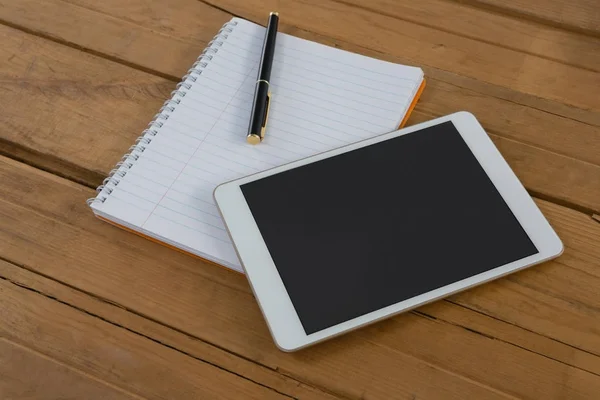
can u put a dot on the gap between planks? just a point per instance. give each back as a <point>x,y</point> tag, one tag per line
<point>137,333</point>
<point>526,16</point>
<point>421,312</point>
<point>217,7</point>
<point>83,176</point>
<point>325,393</point>
<point>480,39</point>
<point>571,112</point>
<point>440,309</point>
<point>68,367</point>
<point>424,314</point>
<point>129,310</point>
<point>282,372</point>
<point>50,163</point>
<point>88,50</point>
<point>173,78</point>
<point>576,113</point>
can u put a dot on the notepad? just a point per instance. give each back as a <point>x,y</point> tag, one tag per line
<point>322,98</point>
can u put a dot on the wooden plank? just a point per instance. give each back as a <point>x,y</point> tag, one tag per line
<point>469,51</point>
<point>160,333</point>
<point>91,109</point>
<point>25,374</point>
<point>496,28</point>
<point>136,31</point>
<point>113,354</point>
<point>464,316</point>
<point>401,356</point>
<point>79,127</point>
<point>578,15</point>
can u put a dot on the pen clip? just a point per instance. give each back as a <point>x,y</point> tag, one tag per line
<point>266,117</point>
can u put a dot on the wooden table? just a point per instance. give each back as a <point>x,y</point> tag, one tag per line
<point>89,311</point>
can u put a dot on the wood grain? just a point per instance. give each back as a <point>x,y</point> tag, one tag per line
<point>55,16</point>
<point>135,31</point>
<point>85,112</point>
<point>559,44</point>
<point>88,255</point>
<point>162,334</point>
<point>445,311</point>
<point>495,28</point>
<point>578,15</point>
<point>89,310</point>
<point>426,46</point>
<point>113,354</point>
<point>25,374</point>
<point>59,103</point>
<point>452,312</point>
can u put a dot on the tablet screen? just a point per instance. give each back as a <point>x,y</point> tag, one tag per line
<point>365,229</point>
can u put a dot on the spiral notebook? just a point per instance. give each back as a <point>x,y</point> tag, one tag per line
<point>322,98</point>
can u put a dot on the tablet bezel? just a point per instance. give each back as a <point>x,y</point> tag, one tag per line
<point>269,290</point>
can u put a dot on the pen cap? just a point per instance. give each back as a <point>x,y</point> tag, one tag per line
<point>268,52</point>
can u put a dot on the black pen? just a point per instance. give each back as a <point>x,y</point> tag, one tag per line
<point>262,93</point>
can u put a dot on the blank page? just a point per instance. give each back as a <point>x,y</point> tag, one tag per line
<point>322,98</point>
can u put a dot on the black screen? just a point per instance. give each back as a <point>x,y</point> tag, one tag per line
<point>369,228</point>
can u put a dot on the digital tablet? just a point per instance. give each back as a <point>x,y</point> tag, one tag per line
<point>345,238</point>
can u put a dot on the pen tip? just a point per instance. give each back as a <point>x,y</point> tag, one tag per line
<point>274,13</point>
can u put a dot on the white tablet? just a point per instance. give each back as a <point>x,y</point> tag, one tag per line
<point>348,237</point>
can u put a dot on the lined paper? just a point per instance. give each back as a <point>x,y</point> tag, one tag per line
<point>322,98</point>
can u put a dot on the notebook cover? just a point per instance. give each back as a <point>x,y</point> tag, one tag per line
<point>402,123</point>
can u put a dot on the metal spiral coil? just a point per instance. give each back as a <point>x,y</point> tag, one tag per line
<point>141,143</point>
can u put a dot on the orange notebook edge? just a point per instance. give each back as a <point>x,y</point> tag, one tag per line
<point>404,120</point>
<point>166,244</point>
<point>413,104</point>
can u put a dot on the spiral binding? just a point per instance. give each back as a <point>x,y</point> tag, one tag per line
<point>153,129</point>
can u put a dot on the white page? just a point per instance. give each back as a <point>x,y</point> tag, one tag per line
<point>322,98</point>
